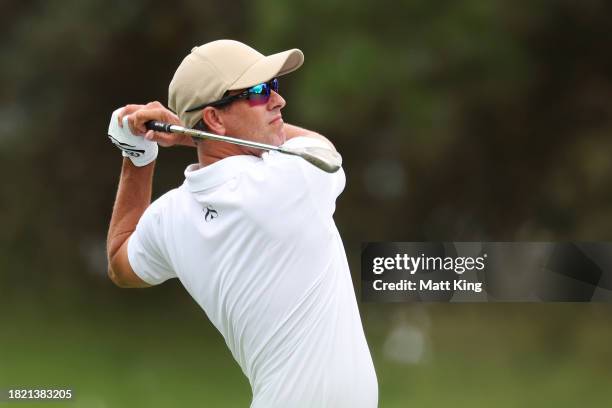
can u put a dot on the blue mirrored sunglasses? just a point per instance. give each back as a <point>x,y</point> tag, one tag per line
<point>256,95</point>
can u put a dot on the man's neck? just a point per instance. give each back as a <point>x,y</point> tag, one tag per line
<point>211,151</point>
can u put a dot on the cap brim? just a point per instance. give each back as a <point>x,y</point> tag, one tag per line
<point>269,67</point>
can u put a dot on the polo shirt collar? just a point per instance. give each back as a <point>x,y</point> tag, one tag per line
<point>198,177</point>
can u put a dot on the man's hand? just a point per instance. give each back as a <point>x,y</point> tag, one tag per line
<point>138,115</point>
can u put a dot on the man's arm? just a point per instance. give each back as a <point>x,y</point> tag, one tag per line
<point>133,198</point>
<point>292,131</point>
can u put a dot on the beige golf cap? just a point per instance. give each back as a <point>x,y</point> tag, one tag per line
<point>219,66</point>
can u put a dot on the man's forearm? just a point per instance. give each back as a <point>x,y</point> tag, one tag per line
<point>292,131</point>
<point>133,198</point>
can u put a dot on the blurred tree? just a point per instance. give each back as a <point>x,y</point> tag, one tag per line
<point>460,120</point>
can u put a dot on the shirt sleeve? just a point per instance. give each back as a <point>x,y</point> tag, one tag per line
<point>325,186</point>
<point>146,251</point>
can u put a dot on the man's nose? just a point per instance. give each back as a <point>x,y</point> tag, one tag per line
<point>276,101</point>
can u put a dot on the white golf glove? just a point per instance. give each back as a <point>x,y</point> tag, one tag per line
<point>140,151</point>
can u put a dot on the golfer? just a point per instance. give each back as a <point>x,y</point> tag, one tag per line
<point>250,235</point>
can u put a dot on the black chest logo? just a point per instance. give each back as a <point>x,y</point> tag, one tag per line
<point>211,213</point>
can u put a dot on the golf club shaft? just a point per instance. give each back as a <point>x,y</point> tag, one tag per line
<point>322,158</point>
<point>168,128</point>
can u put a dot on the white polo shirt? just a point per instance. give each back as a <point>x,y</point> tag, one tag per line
<point>254,243</point>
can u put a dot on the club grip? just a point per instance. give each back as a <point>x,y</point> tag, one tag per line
<point>158,126</point>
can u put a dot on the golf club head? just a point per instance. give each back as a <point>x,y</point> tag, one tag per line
<point>325,159</point>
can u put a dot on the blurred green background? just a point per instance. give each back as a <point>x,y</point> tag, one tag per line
<point>457,120</point>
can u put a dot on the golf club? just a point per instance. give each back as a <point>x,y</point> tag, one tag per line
<point>325,159</point>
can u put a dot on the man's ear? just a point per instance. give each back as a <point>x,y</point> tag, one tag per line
<point>213,120</point>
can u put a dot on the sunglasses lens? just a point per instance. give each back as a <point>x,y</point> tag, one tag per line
<point>259,94</point>
<point>260,89</point>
